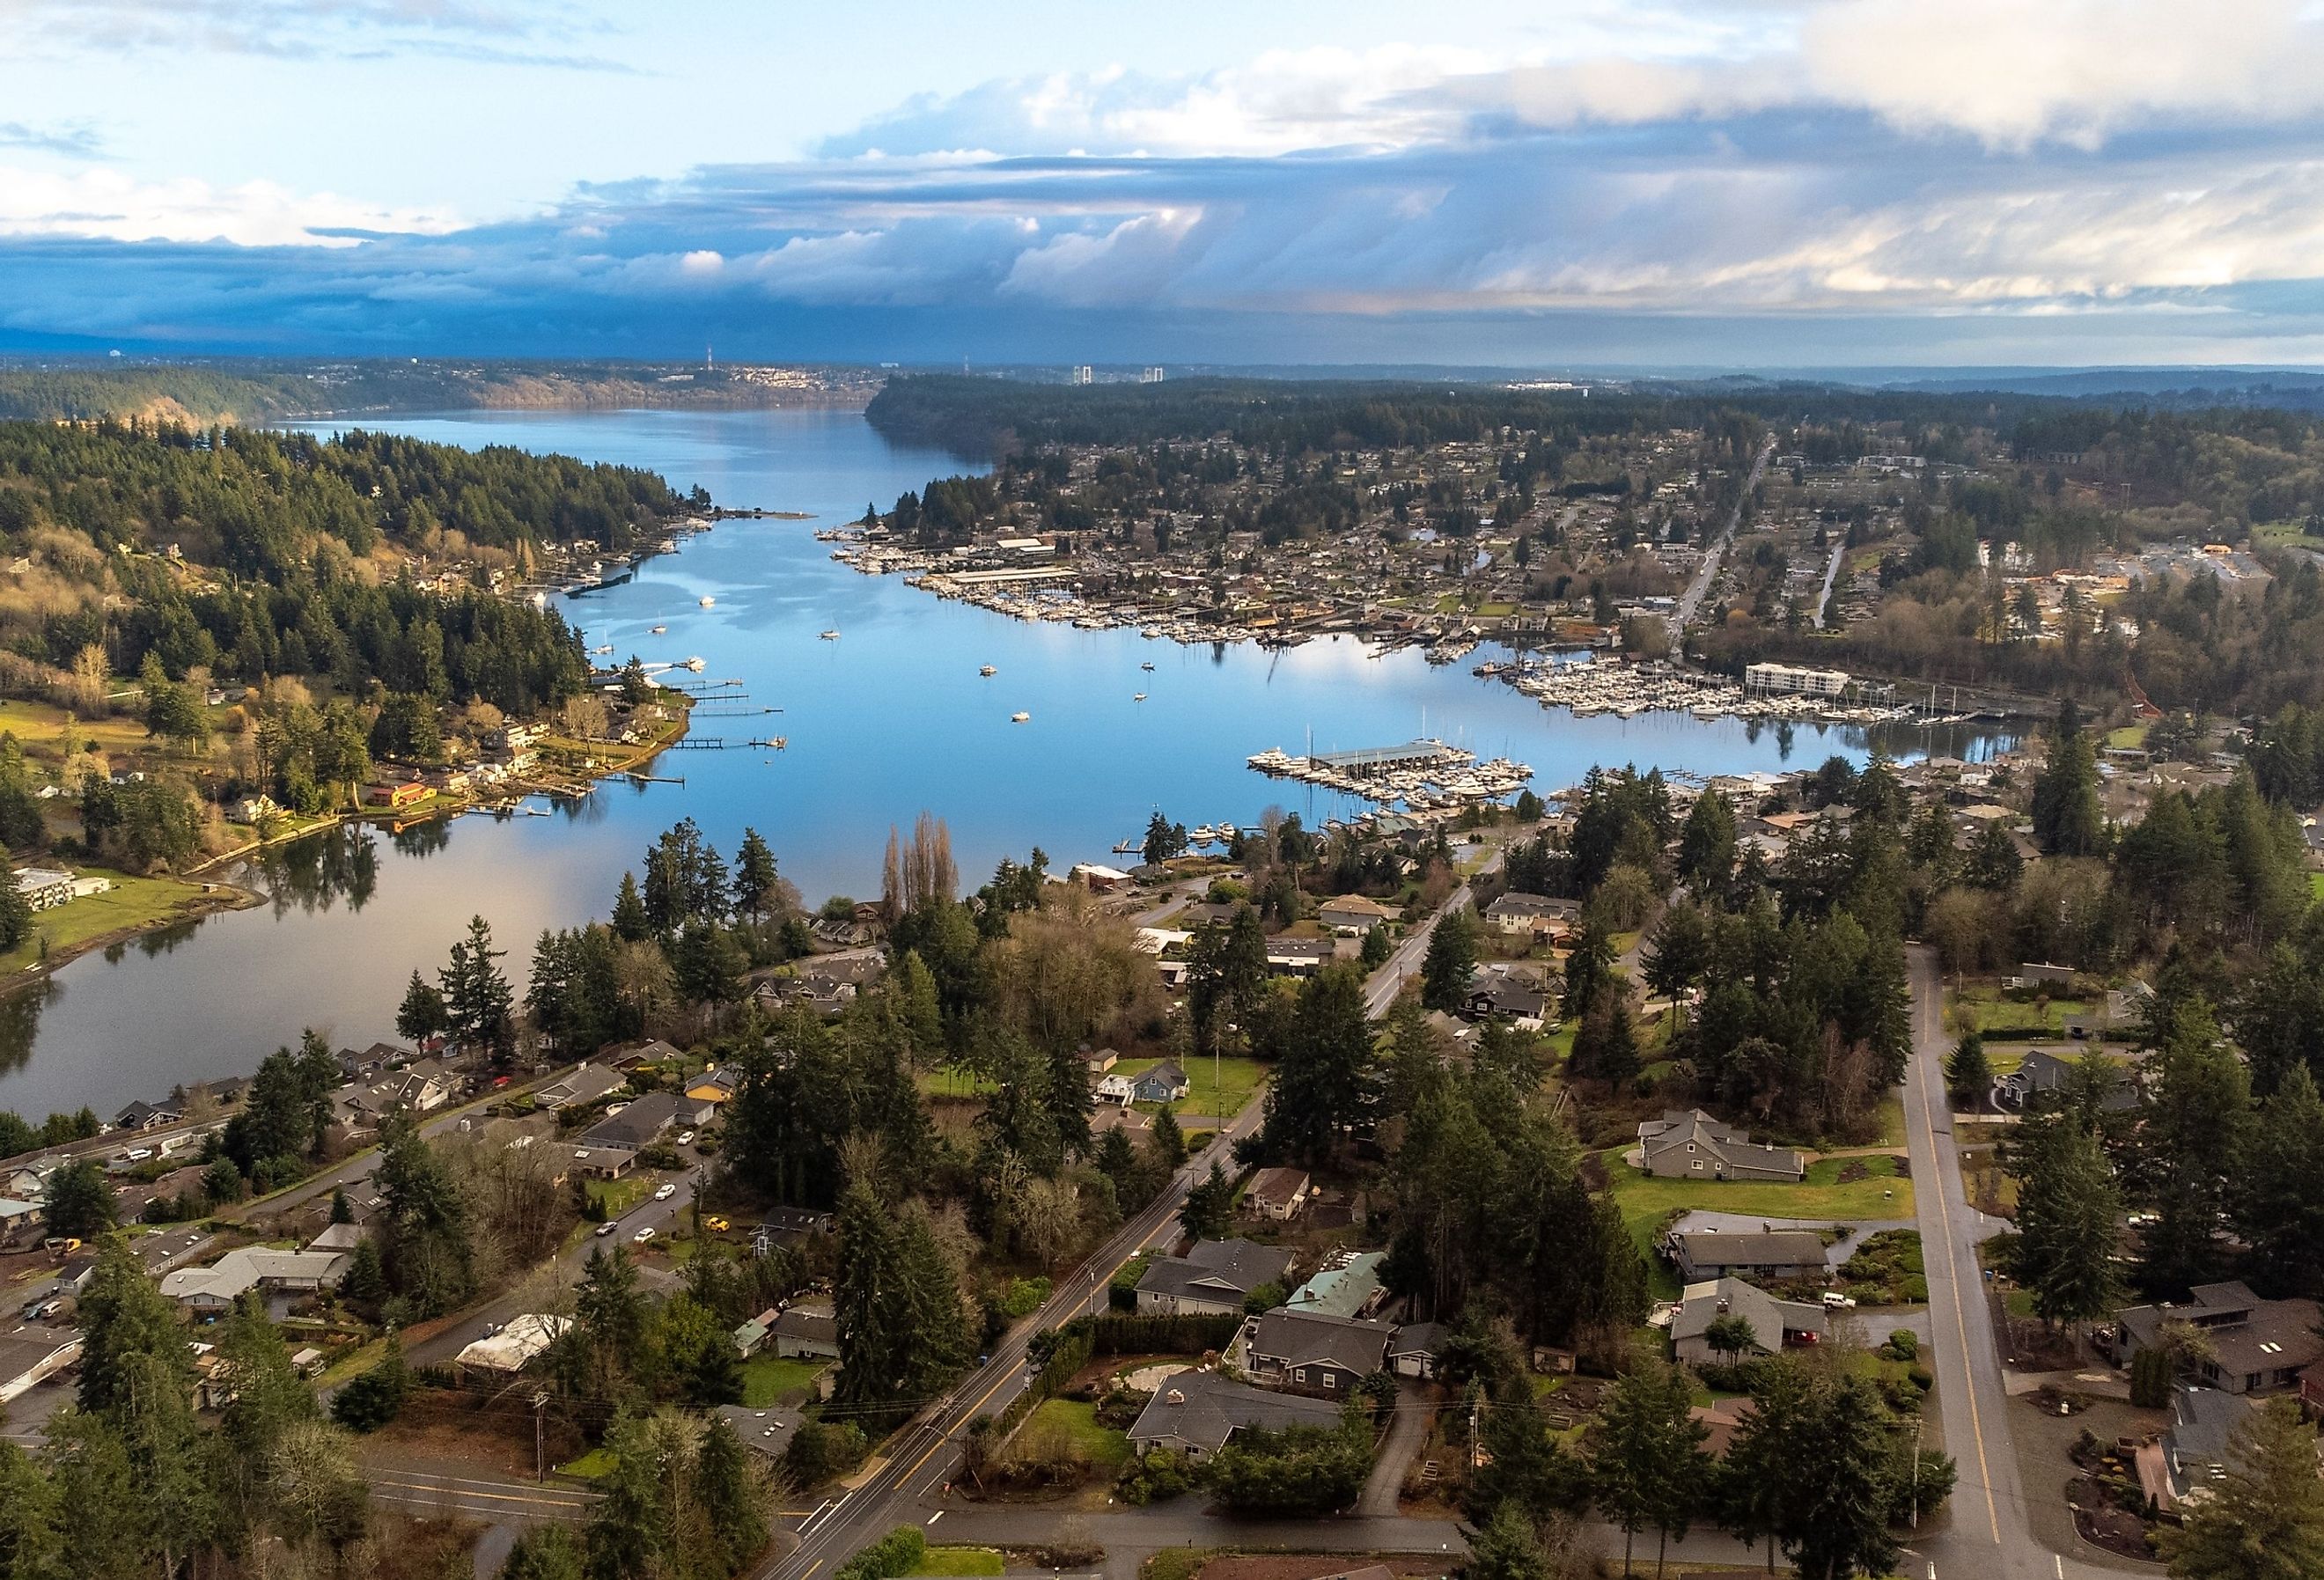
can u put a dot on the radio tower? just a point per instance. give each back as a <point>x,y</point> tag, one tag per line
<point>709,362</point>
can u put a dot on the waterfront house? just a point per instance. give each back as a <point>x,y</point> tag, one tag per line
<point>1777,1255</point>
<point>1165,1083</point>
<point>2256,1346</point>
<point>1775,1324</point>
<point>1308,1352</point>
<point>43,887</point>
<point>142,1116</point>
<point>1213,1278</point>
<point>395,794</point>
<point>1691,1145</point>
<point>1195,1413</point>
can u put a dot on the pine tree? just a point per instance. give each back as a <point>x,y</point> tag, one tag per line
<point>478,1001</point>
<point>1968,1074</point>
<point>122,1317</point>
<point>1506,1549</point>
<point>2068,1212</point>
<point>422,1014</point>
<point>2190,1139</point>
<point>1209,1208</point>
<point>631,923</point>
<point>1760,1496</point>
<point>1168,1140</point>
<point>732,1507</point>
<point>757,881</point>
<point>1451,961</point>
<point>1706,848</point>
<point>2279,1193</point>
<point>2265,1520</point>
<point>1646,1465</point>
<point>1845,1499</point>
<point>871,1272</point>
<point>1588,970</point>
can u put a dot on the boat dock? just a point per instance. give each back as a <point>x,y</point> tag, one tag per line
<point>1422,775</point>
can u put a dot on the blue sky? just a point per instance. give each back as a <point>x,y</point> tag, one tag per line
<point>1574,182</point>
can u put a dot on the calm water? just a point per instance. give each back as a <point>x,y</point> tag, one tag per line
<point>890,718</point>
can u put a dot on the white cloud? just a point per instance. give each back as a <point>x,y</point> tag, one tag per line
<point>104,203</point>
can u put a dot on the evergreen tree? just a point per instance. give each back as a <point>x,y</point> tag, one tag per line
<point>477,999</point>
<point>758,883</point>
<point>1209,1209</point>
<point>1968,1074</point>
<point>80,1201</point>
<point>124,1317</point>
<point>1451,961</point>
<point>1168,1140</point>
<point>31,1541</point>
<point>422,1014</point>
<point>1324,1059</point>
<point>1760,1497</point>
<point>1506,1549</point>
<point>2191,1141</point>
<point>2265,1519</point>
<point>1845,1496</point>
<point>2069,1211</point>
<point>2278,1194</point>
<point>1706,848</point>
<point>1606,1043</point>
<point>1646,1465</point>
<point>545,1552</point>
<point>1589,970</point>
<point>728,1496</point>
<point>631,923</point>
<point>2068,819</point>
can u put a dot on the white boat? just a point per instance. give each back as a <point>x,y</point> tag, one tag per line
<point>1018,718</point>
<point>1148,665</point>
<point>659,629</point>
<point>1227,831</point>
<point>607,648</point>
<point>1128,847</point>
<point>987,671</point>
<point>707,600</point>
<point>1140,697</point>
<point>831,636</point>
<point>696,665</point>
<point>1205,835</point>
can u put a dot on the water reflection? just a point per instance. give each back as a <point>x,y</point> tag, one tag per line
<point>20,1022</point>
<point>313,874</point>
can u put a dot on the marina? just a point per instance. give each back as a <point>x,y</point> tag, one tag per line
<point>1424,775</point>
<point>1591,686</point>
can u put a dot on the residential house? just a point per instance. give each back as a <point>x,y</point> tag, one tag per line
<point>1116,1089</point>
<point>1775,1256</point>
<point>581,1086</point>
<point>1693,1145</point>
<point>642,1122</point>
<point>1533,913</point>
<point>1413,1352</point>
<point>519,1341</point>
<point>1347,1284</point>
<point>714,1086</point>
<point>1195,1413</point>
<point>1353,914</point>
<point>1213,1278</point>
<point>1775,1324</point>
<point>44,888</point>
<point>767,1432</point>
<point>141,1116</point>
<point>2196,1448</point>
<point>2043,1071</point>
<point>17,1219</point>
<point>2312,1390</point>
<point>1275,1194</point>
<point>1501,989</point>
<point>31,1355</point>
<point>1294,956</point>
<point>1165,1083</point>
<point>2258,1346</point>
<point>1101,1062</point>
<point>1307,1352</point>
<point>751,1335</point>
<point>395,794</point>
<point>1720,1420</point>
<point>209,1290</point>
<point>807,1329</point>
<point>336,1237</point>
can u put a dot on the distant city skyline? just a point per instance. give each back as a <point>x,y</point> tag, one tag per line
<point>1741,184</point>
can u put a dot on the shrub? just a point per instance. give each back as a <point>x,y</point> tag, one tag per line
<point>368,1402</point>
<point>897,1553</point>
<point>1904,1345</point>
<point>821,1450</point>
<point>1156,1476</point>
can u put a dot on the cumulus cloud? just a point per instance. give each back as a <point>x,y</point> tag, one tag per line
<point>513,33</point>
<point>106,204</point>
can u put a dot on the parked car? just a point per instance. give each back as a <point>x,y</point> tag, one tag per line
<point>685,1138</point>
<point>42,1310</point>
<point>665,1192</point>
<point>1834,1300</point>
<point>644,1234</point>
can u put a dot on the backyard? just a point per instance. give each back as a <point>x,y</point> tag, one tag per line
<point>131,905</point>
<point>1220,1094</point>
<point>1990,1011</point>
<point>1836,1190</point>
<point>769,1380</point>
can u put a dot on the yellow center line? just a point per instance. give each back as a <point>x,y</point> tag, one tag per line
<point>1960,1322</point>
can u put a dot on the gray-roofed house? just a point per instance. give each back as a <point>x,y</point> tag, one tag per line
<point>1775,1324</point>
<point>212,1288</point>
<point>1213,1278</point>
<point>31,1355</point>
<point>2196,1446</point>
<point>1275,1194</point>
<point>1780,1253</point>
<point>2256,1344</point>
<point>1412,1352</point>
<point>1165,1083</point>
<point>1308,1352</point>
<point>579,1088</point>
<point>1691,1145</point>
<point>807,1329</point>
<point>767,1431</point>
<point>1195,1412</point>
<point>639,1124</point>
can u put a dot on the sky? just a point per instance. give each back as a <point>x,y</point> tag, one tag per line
<point>1565,183</point>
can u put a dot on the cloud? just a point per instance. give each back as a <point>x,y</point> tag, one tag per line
<point>516,34</point>
<point>108,205</point>
<point>77,140</point>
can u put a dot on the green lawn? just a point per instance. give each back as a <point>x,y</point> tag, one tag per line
<point>1221,1094</point>
<point>959,1561</point>
<point>1106,1448</point>
<point>1646,1203</point>
<point>1986,1009</point>
<point>952,1083</point>
<point>619,1196</point>
<point>2126,735</point>
<point>589,1467</point>
<point>2316,885</point>
<point>768,1378</point>
<point>131,903</point>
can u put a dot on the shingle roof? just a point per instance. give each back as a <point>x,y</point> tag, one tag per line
<point>1215,1268</point>
<point>1307,1338</point>
<point>1769,1317</point>
<point>1204,1409</point>
<point>1779,1248</point>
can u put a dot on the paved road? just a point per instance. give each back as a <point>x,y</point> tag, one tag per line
<point>1697,590</point>
<point>1407,1429</point>
<point>1991,1535</point>
<point>459,1487</point>
<point>1831,574</point>
<point>1380,990</point>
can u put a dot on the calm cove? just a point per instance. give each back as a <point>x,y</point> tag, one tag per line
<point>887,719</point>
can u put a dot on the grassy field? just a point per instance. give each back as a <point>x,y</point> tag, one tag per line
<point>1105,1447</point>
<point>619,1196</point>
<point>1646,1203</point>
<point>131,904</point>
<point>1221,1094</point>
<point>2125,736</point>
<point>767,1377</point>
<point>589,1467</point>
<point>959,1561</point>
<point>2316,885</point>
<point>952,1083</point>
<point>38,727</point>
<point>1986,1009</point>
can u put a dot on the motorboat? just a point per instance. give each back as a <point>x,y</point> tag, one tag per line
<point>1140,697</point>
<point>696,665</point>
<point>1148,666</point>
<point>1018,718</point>
<point>659,630</point>
<point>987,671</point>
<point>830,636</point>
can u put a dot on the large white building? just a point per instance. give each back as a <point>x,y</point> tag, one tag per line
<point>1794,679</point>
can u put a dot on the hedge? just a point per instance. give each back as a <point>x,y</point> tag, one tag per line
<point>1162,1336</point>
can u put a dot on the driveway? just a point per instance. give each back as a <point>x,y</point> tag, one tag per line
<point>1407,1429</point>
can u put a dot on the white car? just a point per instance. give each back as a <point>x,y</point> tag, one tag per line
<point>685,1138</point>
<point>665,1192</point>
<point>607,1227</point>
<point>1834,1300</point>
<point>644,1234</point>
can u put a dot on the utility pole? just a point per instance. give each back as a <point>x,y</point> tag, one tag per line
<point>539,1439</point>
